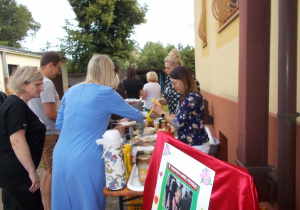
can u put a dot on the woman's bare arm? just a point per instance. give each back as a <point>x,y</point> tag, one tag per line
<point>22,152</point>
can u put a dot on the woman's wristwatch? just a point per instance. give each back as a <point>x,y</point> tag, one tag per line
<point>163,115</point>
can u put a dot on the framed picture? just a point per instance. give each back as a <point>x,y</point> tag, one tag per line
<point>179,176</point>
<point>182,181</point>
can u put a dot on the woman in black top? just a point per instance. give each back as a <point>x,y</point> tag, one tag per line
<point>22,138</point>
<point>3,97</point>
<point>131,84</point>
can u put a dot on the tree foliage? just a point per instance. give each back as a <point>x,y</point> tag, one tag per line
<point>187,55</point>
<point>152,56</point>
<point>104,26</point>
<point>16,23</point>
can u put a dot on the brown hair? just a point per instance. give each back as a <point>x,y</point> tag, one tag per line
<point>184,74</point>
<point>117,68</point>
<point>49,57</point>
<point>130,73</point>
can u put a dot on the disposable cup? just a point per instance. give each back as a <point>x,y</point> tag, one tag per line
<point>156,125</point>
<point>146,123</point>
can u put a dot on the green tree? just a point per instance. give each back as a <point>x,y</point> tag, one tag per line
<point>16,23</point>
<point>187,55</point>
<point>104,26</point>
<point>152,56</point>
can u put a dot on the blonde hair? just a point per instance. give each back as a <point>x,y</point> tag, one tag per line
<point>174,58</point>
<point>151,76</point>
<point>24,75</point>
<point>179,190</point>
<point>101,71</point>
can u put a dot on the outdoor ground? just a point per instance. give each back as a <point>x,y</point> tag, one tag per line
<point>112,203</point>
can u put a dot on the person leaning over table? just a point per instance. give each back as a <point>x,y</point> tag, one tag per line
<point>46,108</point>
<point>22,138</point>
<point>170,96</point>
<point>78,169</point>
<point>188,118</point>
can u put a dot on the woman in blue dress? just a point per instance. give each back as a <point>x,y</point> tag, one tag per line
<point>78,170</point>
<point>188,118</point>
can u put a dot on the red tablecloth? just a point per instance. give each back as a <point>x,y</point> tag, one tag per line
<point>233,186</point>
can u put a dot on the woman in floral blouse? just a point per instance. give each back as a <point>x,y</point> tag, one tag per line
<point>188,118</point>
<point>169,96</point>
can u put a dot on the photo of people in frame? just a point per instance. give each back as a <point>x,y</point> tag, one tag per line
<point>177,195</point>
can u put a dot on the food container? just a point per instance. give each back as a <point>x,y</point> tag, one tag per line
<point>145,140</point>
<point>115,173</point>
<point>136,149</point>
<point>143,161</point>
<point>127,162</point>
<point>146,123</point>
<point>163,123</point>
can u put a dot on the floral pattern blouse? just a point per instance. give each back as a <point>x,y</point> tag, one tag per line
<point>189,120</point>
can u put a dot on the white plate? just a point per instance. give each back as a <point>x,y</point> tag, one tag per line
<point>130,123</point>
<point>131,100</point>
<point>133,182</point>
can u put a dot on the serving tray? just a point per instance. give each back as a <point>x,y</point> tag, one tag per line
<point>133,182</point>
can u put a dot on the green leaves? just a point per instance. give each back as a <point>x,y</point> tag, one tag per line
<point>104,26</point>
<point>16,23</point>
<point>152,56</point>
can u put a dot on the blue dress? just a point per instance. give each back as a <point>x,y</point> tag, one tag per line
<point>78,177</point>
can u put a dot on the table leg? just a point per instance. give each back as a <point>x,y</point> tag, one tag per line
<point>121,202</point>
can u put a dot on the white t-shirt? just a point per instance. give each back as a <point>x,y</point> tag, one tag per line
<point>153,91</point>
<point>49,94</point>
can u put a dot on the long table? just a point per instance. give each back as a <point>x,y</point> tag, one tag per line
<point>122,194</point>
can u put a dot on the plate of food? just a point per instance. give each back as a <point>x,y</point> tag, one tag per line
<point>128,123</point>
<point>149,130</point>
<point>145,140</point>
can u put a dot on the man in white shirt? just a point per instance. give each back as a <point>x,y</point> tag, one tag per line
<point>46,108</point>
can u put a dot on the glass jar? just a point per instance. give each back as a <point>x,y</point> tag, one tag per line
<point>143,165</point>
<point>163,123</point>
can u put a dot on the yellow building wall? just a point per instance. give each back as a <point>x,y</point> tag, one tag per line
<point>217,71</point>
<point>217,62</point>
<point>21,60</point>
<point>298,67</point>
<point>24,59</point>
<point>18,59</point>
<point>65,77</point>
<point>273,93</point>
<point>2,84</point>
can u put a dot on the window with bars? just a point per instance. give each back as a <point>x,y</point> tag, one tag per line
<point>225,10</point>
